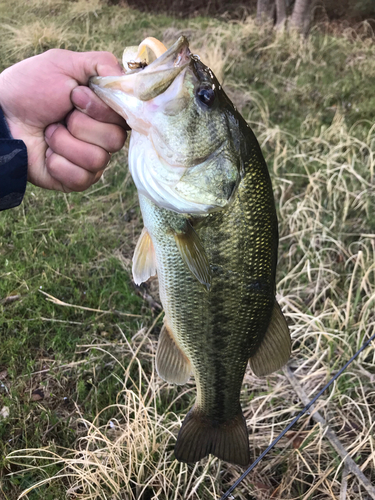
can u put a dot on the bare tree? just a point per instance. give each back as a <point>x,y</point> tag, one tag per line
<point>276,12</point>
<point>265,10</point>
<point>280,14</point>
<point>301,16</point>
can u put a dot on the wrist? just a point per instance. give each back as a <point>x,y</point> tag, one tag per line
<point>6,122</point>
<point>13,167</point>
<point>5,132</point>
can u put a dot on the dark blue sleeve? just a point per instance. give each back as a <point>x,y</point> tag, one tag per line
<point>13,167</point>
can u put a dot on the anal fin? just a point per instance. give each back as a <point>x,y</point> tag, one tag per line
<point>274,351</point>
<point>144,258</point>
<point>199,436</point>
<point>194,255</point>
<point>172,364</point>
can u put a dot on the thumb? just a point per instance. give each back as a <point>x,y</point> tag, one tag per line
<point>88,64</point>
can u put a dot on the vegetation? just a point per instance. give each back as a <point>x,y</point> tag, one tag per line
<point>299,14</point>
<point>347,11</point>
<point>82,413</point>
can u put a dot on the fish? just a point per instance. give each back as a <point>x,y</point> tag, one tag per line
<point>210,235</point>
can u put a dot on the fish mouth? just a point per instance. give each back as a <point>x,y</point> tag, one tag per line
<point>151,80</point>
<point>178,55</point>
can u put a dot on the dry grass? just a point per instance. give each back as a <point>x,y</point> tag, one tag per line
<point>35,37</point>
<point>83,8</point>
<point>130,455</point>
<point>324,186</point>
<point>327,292</point>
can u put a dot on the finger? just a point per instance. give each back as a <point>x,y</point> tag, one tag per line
<point>105,135</point>
<point>68,176</point>
<point>82,65</point>
<point>98,176</point>
<point>89,103</point>
<point>87,156</point>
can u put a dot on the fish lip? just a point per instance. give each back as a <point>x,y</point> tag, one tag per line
<point>160,72</point>
<point>177,56</point>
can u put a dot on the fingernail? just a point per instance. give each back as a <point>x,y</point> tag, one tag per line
<point>50,130</point>
<point>80,97</point>
<point>49,152</point>
<point>98,176</point>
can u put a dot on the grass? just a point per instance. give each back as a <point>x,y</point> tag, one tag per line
<point>88,418</point>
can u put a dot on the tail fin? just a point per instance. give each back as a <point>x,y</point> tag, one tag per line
<point>200,436</point>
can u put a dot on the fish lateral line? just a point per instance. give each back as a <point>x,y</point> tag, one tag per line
<point>219,212</point>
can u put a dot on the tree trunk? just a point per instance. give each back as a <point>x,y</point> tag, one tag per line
<point>301,16</point>
<point>280,14</point>
<point>265,11</point>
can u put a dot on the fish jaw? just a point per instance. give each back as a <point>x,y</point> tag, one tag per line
<point>132,94</point>
<point>160,103</point>
<point>152,80</point>
<point>126,105</point>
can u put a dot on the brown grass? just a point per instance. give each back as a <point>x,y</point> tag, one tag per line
<point>324,186</point>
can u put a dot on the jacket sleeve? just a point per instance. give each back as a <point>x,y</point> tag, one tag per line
<point>13,167</point>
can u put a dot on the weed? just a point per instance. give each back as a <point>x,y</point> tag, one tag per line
<point>88,416</point>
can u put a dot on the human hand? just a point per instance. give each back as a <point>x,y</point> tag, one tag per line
<point>68,148</point>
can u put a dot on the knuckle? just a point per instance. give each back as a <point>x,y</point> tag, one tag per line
<point>73,122</point>
<point>57,137</point>
<point>109,58</point>
<point>72,177</point>
<point>53,54</point>
<point>52,165</point>
<point>118,139</point>
<point>114,139</point>
<point>81,180</point>
<point>96,159</point>
<point>103,159</point>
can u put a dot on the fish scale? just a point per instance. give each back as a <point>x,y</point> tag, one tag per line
<point>210,234</point>
<point>232,317</point>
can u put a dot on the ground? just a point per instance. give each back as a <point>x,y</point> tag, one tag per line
<point>81,408</point>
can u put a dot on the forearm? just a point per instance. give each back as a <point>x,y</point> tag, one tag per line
<point>13,167</point>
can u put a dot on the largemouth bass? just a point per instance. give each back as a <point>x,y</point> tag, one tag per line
<point>210,233</point>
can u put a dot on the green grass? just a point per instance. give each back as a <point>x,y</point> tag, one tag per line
<point>65,246</point>
<point>311,105</point>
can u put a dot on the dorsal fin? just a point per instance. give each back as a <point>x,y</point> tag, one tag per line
<point>144,258</point>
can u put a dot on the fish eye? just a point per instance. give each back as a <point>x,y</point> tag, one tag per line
<point>206,95</point>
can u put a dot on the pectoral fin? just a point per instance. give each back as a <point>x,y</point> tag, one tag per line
<point>172,364</point>
<point>275,349</point>
<point>144,259</point>
<point>194,255</point>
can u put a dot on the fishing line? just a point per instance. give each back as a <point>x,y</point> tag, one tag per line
<point>254,464</point>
